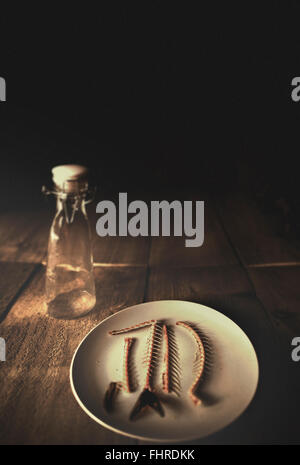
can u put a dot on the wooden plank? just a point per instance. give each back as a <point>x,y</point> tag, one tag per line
<point>215,251</point>
<point>13,278</point>
<point>37,406</point>
<point>228,290</point>
<point>193,283</point>
<point>24,236</point>
<point>252,234</point>
<point>128,251</point>
<point>117,250</point>
<point>279,291</point>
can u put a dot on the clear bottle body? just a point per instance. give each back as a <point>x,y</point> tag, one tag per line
<point>70,286</point>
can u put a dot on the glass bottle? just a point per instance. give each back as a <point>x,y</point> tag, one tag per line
<point>70,286</point>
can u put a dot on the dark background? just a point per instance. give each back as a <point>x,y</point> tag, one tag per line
<point>153,97</point>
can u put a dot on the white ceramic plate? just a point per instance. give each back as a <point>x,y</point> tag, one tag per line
<point>227,389</point>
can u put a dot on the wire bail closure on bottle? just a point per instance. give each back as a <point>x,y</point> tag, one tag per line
<point>71,188</point>
<point>88,193</point>
<point>71,200</point>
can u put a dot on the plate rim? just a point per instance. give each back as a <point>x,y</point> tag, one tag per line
<point>144,438</point>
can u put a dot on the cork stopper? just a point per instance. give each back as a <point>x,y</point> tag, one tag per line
<point>70,178</point>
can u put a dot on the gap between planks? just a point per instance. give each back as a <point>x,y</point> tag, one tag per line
<point>19,291</point>
<point>273,265</point>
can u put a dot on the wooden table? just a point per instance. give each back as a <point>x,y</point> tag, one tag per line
<point>244,269</point>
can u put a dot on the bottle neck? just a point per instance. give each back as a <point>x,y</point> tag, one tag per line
<point>70,204</point>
